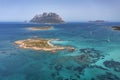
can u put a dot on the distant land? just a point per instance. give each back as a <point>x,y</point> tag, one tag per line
<point>97,21</point>
<point>50,18</point>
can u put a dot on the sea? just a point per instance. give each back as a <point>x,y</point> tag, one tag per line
<point>96,55</point>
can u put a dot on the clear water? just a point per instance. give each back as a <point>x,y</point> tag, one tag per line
<point>21,64</point>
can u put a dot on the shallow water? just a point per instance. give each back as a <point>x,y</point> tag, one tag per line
<point>94,44</point>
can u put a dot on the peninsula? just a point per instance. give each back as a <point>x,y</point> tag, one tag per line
<point>40,44</point>
<point>47,18</point>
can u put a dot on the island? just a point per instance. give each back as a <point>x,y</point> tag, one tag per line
<point>41,44</point>
<point>116,28</point>
<point>41,28</point>
<point>47,18</point>
<point>97,21</point>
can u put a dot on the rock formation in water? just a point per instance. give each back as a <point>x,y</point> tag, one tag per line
<point>50,18</point>
<point>116,28</point>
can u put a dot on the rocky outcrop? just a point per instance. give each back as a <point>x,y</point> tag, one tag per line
<point>47,18</point>
<point>116,28</point>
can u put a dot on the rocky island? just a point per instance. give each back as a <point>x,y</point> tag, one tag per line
<point>40,44</point>
<point>116,28</point>
<point>47,18</point>
<point>97,21</point>
<point>41,28</point>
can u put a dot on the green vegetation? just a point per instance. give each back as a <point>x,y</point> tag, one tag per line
<point>40,43</point>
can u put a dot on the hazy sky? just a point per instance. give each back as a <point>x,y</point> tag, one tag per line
<point>70,10</point>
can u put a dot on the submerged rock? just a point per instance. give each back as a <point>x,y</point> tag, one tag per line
<point>92,79</point>
<point>79,69</point>
<point>112,64</point>
<point>88,56</point>
<point>60,78</point>
<point>71,49</point>
<point>96,66</point>
<point>108,76</point>
<point>69,67</point>
<point>33,76</point>
<point>53,75</point>
<point>58,67</point>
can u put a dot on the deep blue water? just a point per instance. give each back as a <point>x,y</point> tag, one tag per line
<point>96,55</point>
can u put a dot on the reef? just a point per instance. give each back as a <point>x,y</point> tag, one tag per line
<point>112,64</point>
<point>79,69</point>
<point>58,67</point>
<point>108,76</point>
<point>98,67</point>
<point>88,56</point>
<point>73,72</point>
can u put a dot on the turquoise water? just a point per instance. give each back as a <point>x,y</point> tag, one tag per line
<point>96,55</point>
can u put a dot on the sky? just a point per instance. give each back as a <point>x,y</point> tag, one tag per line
<point>69,10</point>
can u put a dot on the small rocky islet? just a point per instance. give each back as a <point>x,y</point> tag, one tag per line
<point>116,28</point>
<point>40,28</point>
<point>41,44</point>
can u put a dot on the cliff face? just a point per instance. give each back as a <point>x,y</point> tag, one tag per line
<point>47,18</point>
